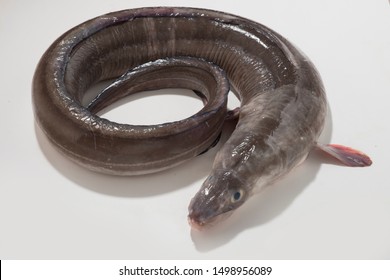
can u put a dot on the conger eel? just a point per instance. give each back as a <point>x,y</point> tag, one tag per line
<point>282,113</point>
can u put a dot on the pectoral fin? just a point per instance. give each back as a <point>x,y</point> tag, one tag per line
<point>346,155</point>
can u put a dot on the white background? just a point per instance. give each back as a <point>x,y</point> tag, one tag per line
<point>51,208</point>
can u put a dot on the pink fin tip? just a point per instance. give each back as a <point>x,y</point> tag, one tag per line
<point>346,155</point>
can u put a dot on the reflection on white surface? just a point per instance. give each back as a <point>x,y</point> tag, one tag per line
<point>51,208</point>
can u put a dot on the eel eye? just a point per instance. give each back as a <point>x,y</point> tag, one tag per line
<point>237,196</point>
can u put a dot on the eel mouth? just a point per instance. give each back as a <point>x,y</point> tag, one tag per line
<point>197,225</point>
<point>200,225</point>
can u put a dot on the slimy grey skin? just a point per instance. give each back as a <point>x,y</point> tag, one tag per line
<point>282,113</point>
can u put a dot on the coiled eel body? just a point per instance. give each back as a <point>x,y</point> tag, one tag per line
<point>282,112</point>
